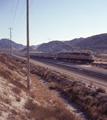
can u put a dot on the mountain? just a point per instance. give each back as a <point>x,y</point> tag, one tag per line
<point>54,46</point>
<point>94,43</point>
<point>5,42</point>
<point>35,46</point>
<point>30,49</point>
<point>74,41</point>
<point>98,42</point>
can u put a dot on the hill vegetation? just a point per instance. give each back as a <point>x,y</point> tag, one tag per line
<point>4,43</point>
<point>55,46</point>
<point>96,43</point>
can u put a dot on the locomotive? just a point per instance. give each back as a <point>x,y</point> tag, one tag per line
<point>86,57</point>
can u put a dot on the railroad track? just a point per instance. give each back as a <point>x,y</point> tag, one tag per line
<point>77,70</point>
<point>97,79</point>
<point>88,77</point>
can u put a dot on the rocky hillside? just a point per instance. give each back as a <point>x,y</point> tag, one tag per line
<point>5,42</point>
<point>54,46</point>
<point>93,42</point>
<point>35,46</point>
<point>30,49</point>
<point>74,41</point>
<point>96,42</point>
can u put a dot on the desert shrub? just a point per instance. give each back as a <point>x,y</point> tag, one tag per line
<point>13,112</point>
<point>32,94</point>
<point>88,99</point>
<point>7,101</point>
<point>18,99</point>
<point>74,97</point>
<point>0,113</point>
<point>4,74</point>
<point>102,90</point>
<point>5,93</point>
<point>24,62</point>
<point>103,109</point>
<point>16,90</point>
<point>30,105</point>
<point>45,113</point>
<point>53,85</point>
<point>51,118</point>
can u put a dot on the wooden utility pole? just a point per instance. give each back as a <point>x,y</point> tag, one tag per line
<point>10,46</point>
<point>28,66</point>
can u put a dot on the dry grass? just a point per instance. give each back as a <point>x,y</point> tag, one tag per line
<point>45,113</point>
<point>16,90</point>
<point>87,98</point>
<point>7,100</point>
<point>18,99</point>
<point>43,104</point>
<point>32,94</point>
<point>101,90</point>
<point>53,85</point>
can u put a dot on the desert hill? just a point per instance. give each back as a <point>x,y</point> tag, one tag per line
<point>96,42</point>
<point>5,42</point>
<point>30,49</point>
<point>54,46</point>
<point>93,42</point>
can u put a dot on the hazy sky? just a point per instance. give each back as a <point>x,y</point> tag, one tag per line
<point>52,19</point>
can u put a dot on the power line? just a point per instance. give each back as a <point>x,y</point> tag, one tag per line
<point>11,13</point>
<point>15,12</point>
<point>22,20</point>
<point>31,3</point>
<point>21,15</point>
<point>20,26</point>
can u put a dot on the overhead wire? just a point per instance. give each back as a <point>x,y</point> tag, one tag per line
<point>21,17</point>
<point>31,3</point>
<point>11,13</point>
<point>15,13</point>
<point>21,14</point>
<point>22,20</point>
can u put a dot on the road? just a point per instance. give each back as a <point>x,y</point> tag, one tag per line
<point>85,73</point>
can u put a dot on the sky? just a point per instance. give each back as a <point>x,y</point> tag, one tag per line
<point>52,19</point>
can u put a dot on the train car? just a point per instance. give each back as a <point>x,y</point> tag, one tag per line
<point>86,57</point>
<point>44,55</point>
<point>36,54</point>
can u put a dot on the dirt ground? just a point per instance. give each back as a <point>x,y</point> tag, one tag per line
<point>17,103</point>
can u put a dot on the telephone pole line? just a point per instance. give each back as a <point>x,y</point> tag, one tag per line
<point>10,44</point>
<point>28,66</point>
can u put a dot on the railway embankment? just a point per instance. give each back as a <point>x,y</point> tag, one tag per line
<point>90,99</point>
<point>87,71</point>
<point>17,103</point>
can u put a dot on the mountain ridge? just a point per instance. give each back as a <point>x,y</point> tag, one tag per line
<point>95,42</point>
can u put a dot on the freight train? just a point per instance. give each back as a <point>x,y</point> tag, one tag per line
<point>86,57</point>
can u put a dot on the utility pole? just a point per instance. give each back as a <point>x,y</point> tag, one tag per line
<point>10,46</point>
<point>28,66</point>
